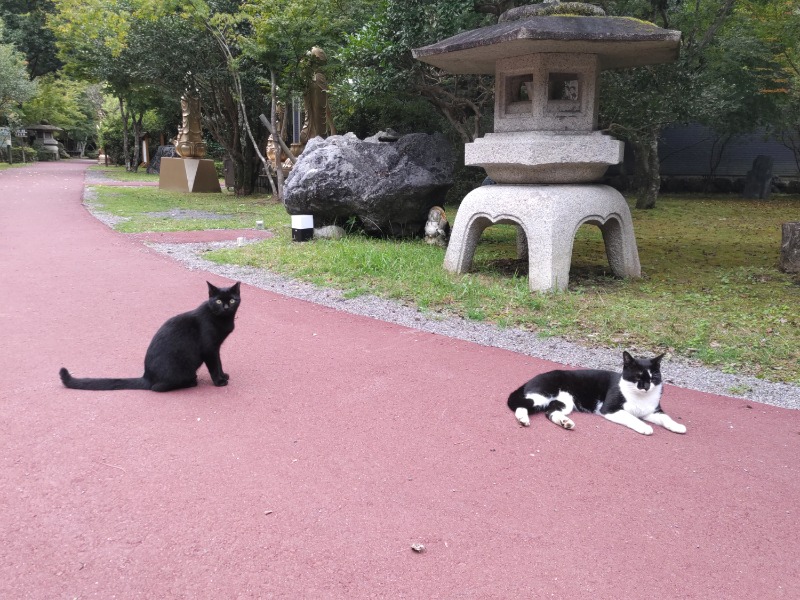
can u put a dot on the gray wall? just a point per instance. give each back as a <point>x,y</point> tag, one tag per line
<point>687,151</point>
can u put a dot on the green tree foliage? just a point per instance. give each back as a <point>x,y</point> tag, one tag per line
<point>149,54</point>
<point>284,31</point>
<point>92,39</point>
<point>25,23</point>
<point>72,105</point>
<point>776,24</point>
<point>718,81</point>
<point>737,69</point>
<point>15,86</point>
<point>379,64</point>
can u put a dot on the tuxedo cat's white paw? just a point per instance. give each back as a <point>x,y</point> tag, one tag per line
<point>674,426</point>
<point>645,430</point>
<point>666,422</point>
<point>562,420</point>
<point>522,416</point>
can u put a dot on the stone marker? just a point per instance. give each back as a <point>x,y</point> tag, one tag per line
<point>790,248</point>
<point>759,179</point>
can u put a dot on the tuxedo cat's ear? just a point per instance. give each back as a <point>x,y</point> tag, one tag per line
<point>627,359</point>
<point>212,289</point>
<point>657,359</point>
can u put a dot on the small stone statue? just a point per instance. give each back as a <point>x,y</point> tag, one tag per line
<point>189,143</point>
<point>437,229</point>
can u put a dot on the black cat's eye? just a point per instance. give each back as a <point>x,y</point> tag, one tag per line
<point>219,301</point>
<point>232,301</point>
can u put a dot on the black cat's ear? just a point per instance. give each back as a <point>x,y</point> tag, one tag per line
<point>235,288</point>
<point>212,289</point>
<point>657,359</point>
<point>627,359</point>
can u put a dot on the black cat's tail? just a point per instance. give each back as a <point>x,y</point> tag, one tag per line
<point>133,383</point>
<point>517,399</point>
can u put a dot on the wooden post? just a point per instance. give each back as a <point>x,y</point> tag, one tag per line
<point>789,261</point>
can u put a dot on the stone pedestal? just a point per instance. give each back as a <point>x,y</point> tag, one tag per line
<point>188,175</point>
<point>544,156</point>
<point>549,217</point>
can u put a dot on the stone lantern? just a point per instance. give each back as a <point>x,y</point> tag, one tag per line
<point>44,137</point>
<point>546,154</point>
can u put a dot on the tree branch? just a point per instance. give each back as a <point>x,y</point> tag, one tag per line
<point>265,122</point>
<point>237,82</point>
<point>724,12</point>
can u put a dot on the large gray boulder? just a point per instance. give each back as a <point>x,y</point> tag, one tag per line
<point>389,185</point>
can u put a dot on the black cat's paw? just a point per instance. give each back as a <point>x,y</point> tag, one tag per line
<point>224,376</point>
<point>221,382</point>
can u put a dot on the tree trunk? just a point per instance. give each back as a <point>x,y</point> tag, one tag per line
<point>790,248</point>
<point>648,170</point>
<point>279,173</point>
<point>137,140</point>
<point>246,171</point>
<point>223,119</point>
<point>244,186</point>
<point>278,191</point>
<point>718,145</point>
<point>125,149</point>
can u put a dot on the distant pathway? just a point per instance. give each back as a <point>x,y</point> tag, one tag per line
<point>339,443</point>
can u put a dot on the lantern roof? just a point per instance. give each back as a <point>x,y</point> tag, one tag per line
<point>619,42</point>
<point>43,126</point>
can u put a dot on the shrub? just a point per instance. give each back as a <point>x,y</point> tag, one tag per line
<point>45,155</point>
<point>23,154</point>
<point>111,139</point>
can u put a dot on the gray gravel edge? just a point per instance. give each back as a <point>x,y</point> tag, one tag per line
<point>677,371</point>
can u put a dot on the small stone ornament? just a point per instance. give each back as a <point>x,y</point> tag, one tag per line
<point>437,229</point>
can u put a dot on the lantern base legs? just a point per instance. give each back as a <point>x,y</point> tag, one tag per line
<point>547,217</point>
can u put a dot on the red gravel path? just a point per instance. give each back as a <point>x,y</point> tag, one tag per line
<point>339,442</point>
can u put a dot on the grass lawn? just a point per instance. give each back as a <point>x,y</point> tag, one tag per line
<point>147,208</point>
<point>120,174</point>
<point>5,165</point>
<point>710,290</point>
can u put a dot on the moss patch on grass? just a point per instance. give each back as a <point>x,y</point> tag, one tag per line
<point>148,209</point>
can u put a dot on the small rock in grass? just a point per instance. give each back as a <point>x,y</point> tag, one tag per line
<point>330,232</point>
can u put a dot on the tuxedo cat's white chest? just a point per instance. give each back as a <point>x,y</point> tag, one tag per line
<point>640,403</point>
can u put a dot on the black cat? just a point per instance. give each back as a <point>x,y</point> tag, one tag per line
<point>625,398</point>
<point>178,348</point>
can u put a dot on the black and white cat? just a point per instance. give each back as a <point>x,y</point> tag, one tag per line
<point>629,398</point>
<point>179,348</point>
